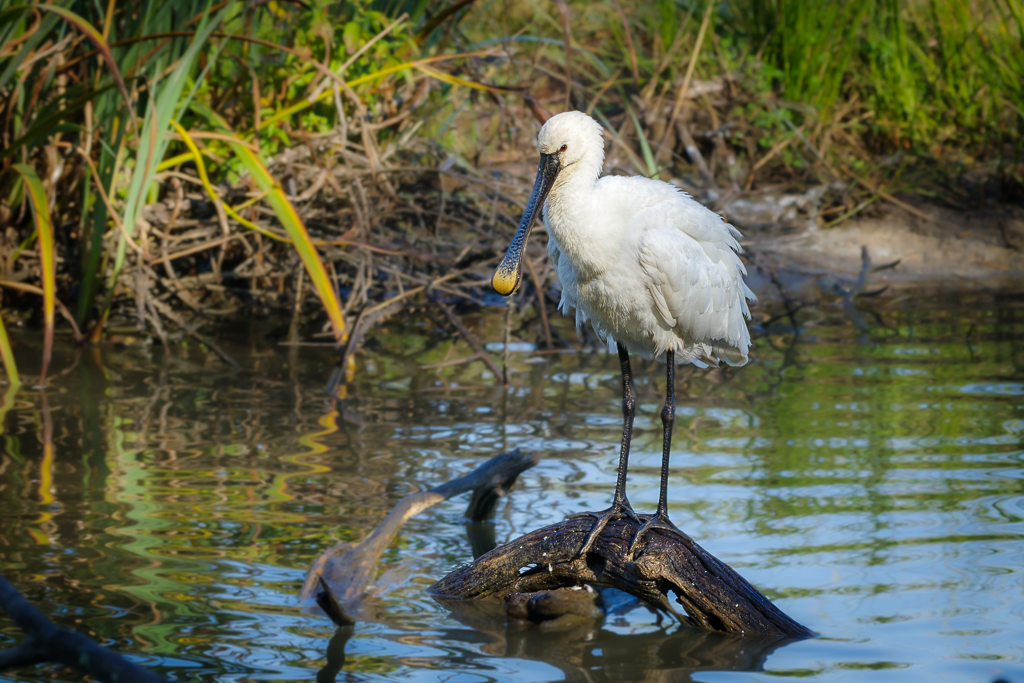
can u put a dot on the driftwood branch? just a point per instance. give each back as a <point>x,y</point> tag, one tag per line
<point>707,592</point>
<point>48,642</point>
<point>341,573</point>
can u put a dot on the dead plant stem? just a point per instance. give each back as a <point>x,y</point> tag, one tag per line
<point>681,96</point>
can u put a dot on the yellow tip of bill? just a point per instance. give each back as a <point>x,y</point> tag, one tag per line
<point>505,281</point>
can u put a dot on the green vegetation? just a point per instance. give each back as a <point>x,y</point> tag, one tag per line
<point>192,155</point>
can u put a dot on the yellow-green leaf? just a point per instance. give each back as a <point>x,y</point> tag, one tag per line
<point>44,232</point>
<point>645,148</point>
<point>8,357</point>
<point>204,178</point>
<point>290,220</point>
<point>352,36</point>
<point>96,38</point>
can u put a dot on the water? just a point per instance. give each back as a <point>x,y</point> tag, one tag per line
<point>871,482</point>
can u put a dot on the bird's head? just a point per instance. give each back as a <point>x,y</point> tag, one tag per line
<point>566,140</point>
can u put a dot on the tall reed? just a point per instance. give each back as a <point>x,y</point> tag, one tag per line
<point>90,101</point>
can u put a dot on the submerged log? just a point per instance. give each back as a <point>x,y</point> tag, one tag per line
<point>341,573</point>
<point>707,592</point>
<point>557,609</point>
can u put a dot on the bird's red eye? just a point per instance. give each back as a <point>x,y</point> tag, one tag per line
<point>563,148</point>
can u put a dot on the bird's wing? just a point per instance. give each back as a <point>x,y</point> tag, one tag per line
<point>554,251</point>
<point>696,285</point>
<point>566,279</point>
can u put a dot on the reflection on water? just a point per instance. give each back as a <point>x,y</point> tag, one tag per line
<point>872,483</point>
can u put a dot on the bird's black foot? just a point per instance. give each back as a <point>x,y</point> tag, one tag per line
<point>618,510</point>
<point>658,521</point>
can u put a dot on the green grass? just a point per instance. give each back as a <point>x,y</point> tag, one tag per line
<point>98,89</point>
<point>907,95</point>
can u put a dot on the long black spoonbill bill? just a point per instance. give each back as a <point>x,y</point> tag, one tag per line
<point>654,271</point>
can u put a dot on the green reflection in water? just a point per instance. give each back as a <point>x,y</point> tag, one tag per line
<point>871,481</point>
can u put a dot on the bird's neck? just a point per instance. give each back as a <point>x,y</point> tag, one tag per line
<point>568,215</point>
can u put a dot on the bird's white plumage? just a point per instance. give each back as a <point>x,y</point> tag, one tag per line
<point>647,265</point>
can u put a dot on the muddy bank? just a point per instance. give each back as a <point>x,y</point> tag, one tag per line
<point>963,250</point>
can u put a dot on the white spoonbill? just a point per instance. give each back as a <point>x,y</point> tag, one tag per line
<point>653,270</point>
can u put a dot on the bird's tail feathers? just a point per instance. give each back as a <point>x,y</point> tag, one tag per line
<point>705,354</point>
<point>731,355</point>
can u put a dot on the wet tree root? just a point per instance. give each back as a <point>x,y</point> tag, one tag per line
<point>48,642</point>
<point>707,592</point>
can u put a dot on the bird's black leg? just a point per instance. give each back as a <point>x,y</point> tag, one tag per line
<point>660,519</point>
<point>620,508</point>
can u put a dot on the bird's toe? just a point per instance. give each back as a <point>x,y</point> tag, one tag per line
<point>659,521</point>
<point>616,512</point>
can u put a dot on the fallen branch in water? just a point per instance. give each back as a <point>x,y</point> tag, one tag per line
<point>195,334</point>
<point>470,338</point>
<point>48,642</point>
<point>341,573</point>
<point>711,594</point>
